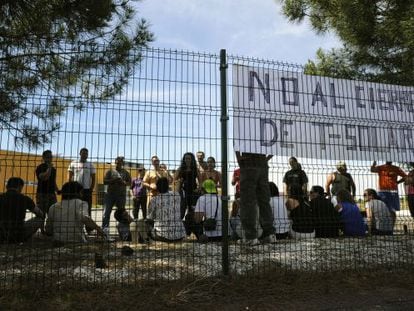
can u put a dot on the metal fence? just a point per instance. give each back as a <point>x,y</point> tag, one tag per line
<point>178,102</point>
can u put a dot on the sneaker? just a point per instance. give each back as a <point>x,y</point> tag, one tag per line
<point>246,242</point>
<point>270,239</point>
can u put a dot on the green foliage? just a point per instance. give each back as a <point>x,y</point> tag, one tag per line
<point>79,52</point>
<point>377,35</point>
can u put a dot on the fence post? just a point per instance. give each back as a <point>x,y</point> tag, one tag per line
<point>225,197</point>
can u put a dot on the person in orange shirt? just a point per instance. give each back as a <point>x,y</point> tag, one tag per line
<point>387,183</point>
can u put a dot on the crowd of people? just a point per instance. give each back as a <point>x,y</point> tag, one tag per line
<point>170,207</point>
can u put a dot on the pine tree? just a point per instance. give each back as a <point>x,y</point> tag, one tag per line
<point>377,37</point>
<point>78,52</point>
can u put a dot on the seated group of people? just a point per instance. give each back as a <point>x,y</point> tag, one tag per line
<point>296,216</point>
<point>300,217</point>
<point>165,222</point>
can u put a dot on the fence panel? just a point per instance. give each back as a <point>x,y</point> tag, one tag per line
<point>172,105</point>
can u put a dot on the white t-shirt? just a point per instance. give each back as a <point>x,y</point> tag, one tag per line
<point>65,220</point>
<point>281,220</point>
<point>381,215</point>
<point>207,204</point>
<point>165,210</point>
<point>82,172</point>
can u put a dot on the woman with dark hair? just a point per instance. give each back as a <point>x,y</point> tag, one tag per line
<point>351,218</point>
<point>327,219</point>
<point>66,220</point>
<point>281,220</point>
<point>300,213</point>
<point>211,173</point>
<point>186,177</point>
<point>380,218</point>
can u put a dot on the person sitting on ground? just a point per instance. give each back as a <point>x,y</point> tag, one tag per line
<point>13,207</point>
<point>380,218</point>
<point>208,207</point>
<point>124,219</point>
<point>281,220</point>
<point>326,217</point>
<point>66,219</point>
<point>300,213</point>
<point>351,218</point>
<point>165,213</point>
<point>237,231</point>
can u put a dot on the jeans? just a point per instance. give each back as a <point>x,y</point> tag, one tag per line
<point>140,202</point>
<point>112,199</point>
<point>255,197</point>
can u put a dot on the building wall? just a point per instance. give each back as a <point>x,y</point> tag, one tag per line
<point>17,164</point>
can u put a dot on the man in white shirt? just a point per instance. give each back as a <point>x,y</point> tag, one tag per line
<point>84,173</point>
<point>208,207</point>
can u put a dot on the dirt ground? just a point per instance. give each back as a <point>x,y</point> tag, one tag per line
<point>275,290</point>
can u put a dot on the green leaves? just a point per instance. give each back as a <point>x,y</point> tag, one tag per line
<point>65,50</point>
<point>377,36</point>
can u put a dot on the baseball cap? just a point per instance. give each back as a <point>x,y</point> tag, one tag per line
<point>341,164</point>
<point>209,186</point>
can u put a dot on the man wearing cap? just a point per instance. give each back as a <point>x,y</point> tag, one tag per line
<point>208,207</point>
<point>387,183</point>
<point>338,180</point>
<point>117,180</point>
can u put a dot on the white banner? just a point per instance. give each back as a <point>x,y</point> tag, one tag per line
<point>292,114</point>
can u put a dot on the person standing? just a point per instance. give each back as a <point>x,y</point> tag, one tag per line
<point>152,176</point>
<point>387,183</point>
<point>295,176</point>
<point>235,181</point>
<point>201,164</point>
<point>13,206</point>
<point>139,194</point>
<point>339,180</point>
<point>187,183</point>
<point>46,183</point>
<point>255,198</point>
<point>84,173</point>
<point>117,180</point>
<point>409,189</point>
<point>211,173</point>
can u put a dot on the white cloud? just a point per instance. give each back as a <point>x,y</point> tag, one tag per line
<point>243,27</point>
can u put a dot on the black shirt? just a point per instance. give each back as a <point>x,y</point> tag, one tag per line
<point>326,219</point>
<point>49,185</point>
<point>297,177</point>
<point>13,206</point>
<point>302,218</point>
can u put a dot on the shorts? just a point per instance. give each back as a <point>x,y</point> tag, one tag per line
<point>391,199</point>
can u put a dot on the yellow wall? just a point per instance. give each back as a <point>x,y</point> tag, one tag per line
<point>23,165</point>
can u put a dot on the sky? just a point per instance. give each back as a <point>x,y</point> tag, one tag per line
<point>253,28</point>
